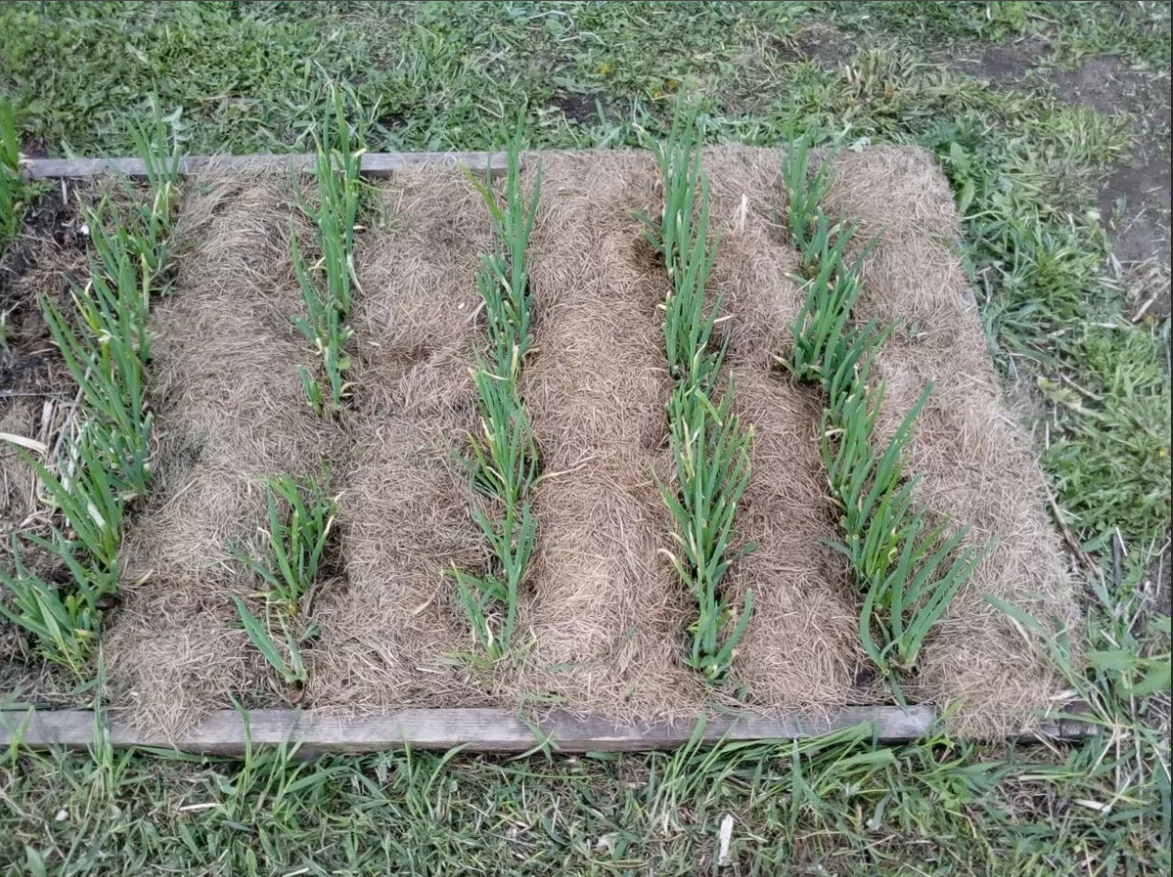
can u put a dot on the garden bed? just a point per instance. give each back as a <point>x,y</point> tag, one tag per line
<point>602,617</point>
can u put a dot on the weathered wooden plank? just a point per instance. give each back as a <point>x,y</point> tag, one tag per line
<point>373,163</point>
<point>480,730</point>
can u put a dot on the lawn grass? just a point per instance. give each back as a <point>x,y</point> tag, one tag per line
<point>1025,167</point>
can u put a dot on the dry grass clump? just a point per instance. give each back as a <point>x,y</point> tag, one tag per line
<point>602,621</point>
<point>230,412</point>
<point>21,417</point>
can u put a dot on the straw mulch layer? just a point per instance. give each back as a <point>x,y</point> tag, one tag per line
<point>602,621</point>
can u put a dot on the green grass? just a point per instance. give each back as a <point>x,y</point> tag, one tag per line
<point>1026,170</point>
<point>14,190</point>
<point>1109,445</point>
<point>1129,30</point>
<point>838,805</point>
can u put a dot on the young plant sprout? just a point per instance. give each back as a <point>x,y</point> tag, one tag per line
<point>301,517</point>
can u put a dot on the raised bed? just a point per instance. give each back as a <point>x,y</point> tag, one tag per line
<point>223,732</point>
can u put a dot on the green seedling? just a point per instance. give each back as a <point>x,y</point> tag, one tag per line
<point>155,218</point>
<point>338,162</point>
<point>87,495</point>
<point>713,470</point>
<point>906,599</point>
<point>64,620</point>
<point>14,190</point>
<point>291,670</point>
<point>107,358</point>
<point>301,517</point>
<point>823,337</point>
<point>805,192</point>
<point>105,345</point>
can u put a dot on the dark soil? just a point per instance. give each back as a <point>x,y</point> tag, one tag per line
<point>821,44</point>
<point>1105,85</point>
<point>51,245</point>
<point>582,109</point>
<point>1135,202</point>
<point>1005,65</point>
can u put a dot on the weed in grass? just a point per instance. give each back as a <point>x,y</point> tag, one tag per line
<point>1109,447</point>
<point>504,465</point>
<point>14,191</point>
<point>338,163</point>
<point>838,803</point>
<point>1122,772</point>
<point>709,445</point>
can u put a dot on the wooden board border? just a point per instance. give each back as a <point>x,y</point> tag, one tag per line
<point>224,733</point>
<point>376,164</point>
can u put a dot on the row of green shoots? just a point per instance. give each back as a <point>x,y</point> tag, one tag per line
<point>710,446</point>
<point>326,286</point>
<point>907,570</point>
<point>503,466</point>
<point>102,467</point>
